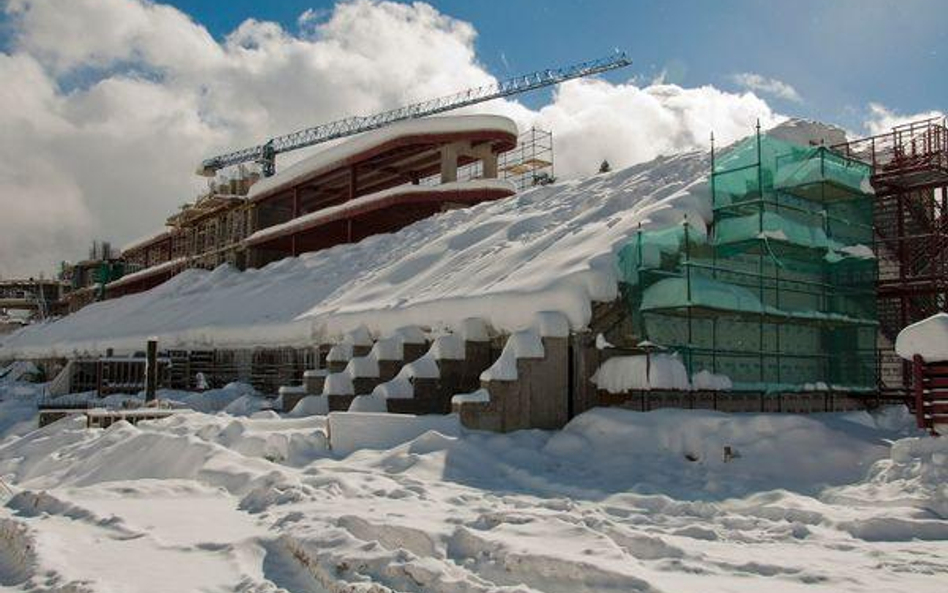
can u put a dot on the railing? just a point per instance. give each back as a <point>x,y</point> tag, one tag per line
<point>907,145</point>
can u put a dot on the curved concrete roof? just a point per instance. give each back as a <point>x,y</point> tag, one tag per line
<point>499,130</point>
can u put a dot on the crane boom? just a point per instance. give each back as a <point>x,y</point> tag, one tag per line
<point>265,153</point>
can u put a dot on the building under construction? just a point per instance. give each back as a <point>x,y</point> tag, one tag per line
<point>375,183</point>
<point>910,180</point>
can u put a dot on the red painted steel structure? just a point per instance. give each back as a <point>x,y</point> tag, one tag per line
<point>930,391</point>
<point>910,178</point>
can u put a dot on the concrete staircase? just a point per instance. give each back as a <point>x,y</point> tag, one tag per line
<point>527,386</point>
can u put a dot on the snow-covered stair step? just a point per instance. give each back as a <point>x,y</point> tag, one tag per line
<point>527,386</point>
<point>453,363</point>
<point>290,395</point>
<point>355,343</point>
<point>313,380</point>
<point>339,391</point>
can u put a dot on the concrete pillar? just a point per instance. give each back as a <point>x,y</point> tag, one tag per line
<point>490,165</point>
<point>449,163</point>
<point>151,370</point>
<point>586,361</point>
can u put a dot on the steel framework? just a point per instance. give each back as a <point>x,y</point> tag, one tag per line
<point>910,178</point>
<point>265,154</point>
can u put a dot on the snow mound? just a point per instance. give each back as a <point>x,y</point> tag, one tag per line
<point>550,248</point>
<point>652,371</point>
<point>351,431</point>
<point>927,338</point>
<point>311,405</point>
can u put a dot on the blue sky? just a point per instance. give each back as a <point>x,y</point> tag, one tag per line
<point>839,55</point>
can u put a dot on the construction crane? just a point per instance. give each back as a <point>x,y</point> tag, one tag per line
<point>265,154</point>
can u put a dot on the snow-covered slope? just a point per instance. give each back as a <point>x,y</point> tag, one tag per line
<point>549,248</point>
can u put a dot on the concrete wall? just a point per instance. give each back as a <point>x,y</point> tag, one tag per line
<point>538,398</point>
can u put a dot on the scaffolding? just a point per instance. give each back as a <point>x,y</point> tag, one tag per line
<point>910,178</point>
<point>528,164</point>
<point>779,294</point>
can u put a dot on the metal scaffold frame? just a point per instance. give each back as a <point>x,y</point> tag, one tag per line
<point>910,179</point>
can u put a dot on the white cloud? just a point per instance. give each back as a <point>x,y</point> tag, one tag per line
<point>112,156</point>
<point>882,120</point>
<point>766,86</point>
<point>593,120</point>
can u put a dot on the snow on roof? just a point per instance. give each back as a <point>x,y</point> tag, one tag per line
<point>333,157</point>
<point>147,272</point>
<point>549,248</point>
<point>380,199</point>
<point>147,239</point>
<point>927,338</point>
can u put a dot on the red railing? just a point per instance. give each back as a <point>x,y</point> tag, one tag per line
<point>930,388</point>
<point>906,145</point>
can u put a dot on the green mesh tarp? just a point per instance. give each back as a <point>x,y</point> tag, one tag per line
<point>781,295</point>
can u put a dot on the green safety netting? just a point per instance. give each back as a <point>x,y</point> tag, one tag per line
<point>781,295</point>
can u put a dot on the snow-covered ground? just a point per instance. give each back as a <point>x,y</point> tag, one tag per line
<point>617,501</point>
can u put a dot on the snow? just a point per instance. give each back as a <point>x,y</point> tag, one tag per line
<point>927,338</point>
<point>616,501</point>
<point>448,347</point>
<point>707,381</point>
<point>147,272</point>
<point>146,239</point>
<point>334,156</point>
<point>479,396</point>
<point>643,371</point>
<point>388,349</point>
<point>362,366</point>
<point>474,329</point>
<point>353,431</point>
<point>338,384</point>
<point>521,344</point>
<point>424,367</point>
<point>368,403</point>
<point>341,352</point>
<point>602,343</point>
<point>549,248</point>
<point>359,336</point>
<point>397,388</point>
<point>860,251</point>
<point>311,405</point>
<point>551,324</point>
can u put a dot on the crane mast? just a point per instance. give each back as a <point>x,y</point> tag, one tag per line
<point>265,154</point>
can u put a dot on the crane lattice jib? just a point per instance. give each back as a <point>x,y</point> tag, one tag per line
<point>264,153</point>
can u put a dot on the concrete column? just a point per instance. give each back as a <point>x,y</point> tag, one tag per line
<point>449,163</point>
<point>151,370</point>
<point>490,166</point>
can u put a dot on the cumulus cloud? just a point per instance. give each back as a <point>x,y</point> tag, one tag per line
<point>766,86</point>
<point>881,119</point>
<point>116,101</point>
<point>593,120</point>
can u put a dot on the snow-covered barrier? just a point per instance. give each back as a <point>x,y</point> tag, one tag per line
<point>925,346</point>
<point>351,431</point>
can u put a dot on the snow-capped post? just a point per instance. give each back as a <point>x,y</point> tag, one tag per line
<point>151,369</point>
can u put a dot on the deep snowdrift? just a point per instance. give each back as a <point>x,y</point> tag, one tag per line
<point>549,248</point>
<point>617,501</point>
